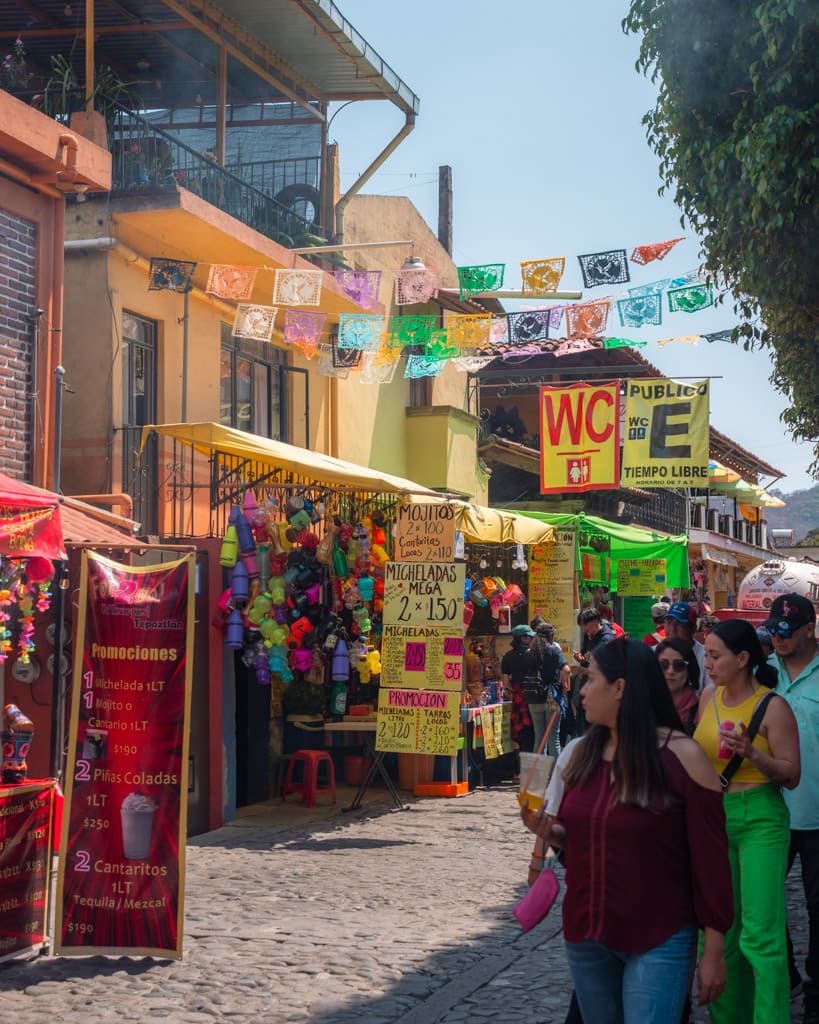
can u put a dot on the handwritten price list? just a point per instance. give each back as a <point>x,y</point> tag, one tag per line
<point>418,722</point>
<point>551,583</point>
<point>425,533</point>
<point>422,657</point>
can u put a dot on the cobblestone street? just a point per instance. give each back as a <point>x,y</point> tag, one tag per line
<point>314,915</point>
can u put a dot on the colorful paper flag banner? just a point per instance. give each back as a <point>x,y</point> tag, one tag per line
<point>652,288</point>
<point>360,331</point>
<point>587,318</point>
<point>555,318</point>
<point>416,286</point>
<point>345,358</point>
<point>643,254</point>
<point>360,285</point>
<point>170,275</point>
<point>718,336</point>
<point>303,327</point>
<point>410,330</point>
<point>604,268</point>
<point>255,322</point>
<point>623,343</point>
<point>499,331</point>
<point>439,346</point>
<point>470,330</point>
<point>374,372</point>
<point>690,299</point>
<point>539,276</point>
<point>326,363</point>
<point>231,282</point>
<point>297,287</point>
<point>487,277</point>
<point>385,354</point>
<point>641,310</point>
<point>574,345</point>
<point>528,326</point>
<point>686,339</point>
<point>420,366</point>
<point>471,364</point>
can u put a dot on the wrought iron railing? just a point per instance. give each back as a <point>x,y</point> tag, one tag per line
<point>271,176</point>
<point>148,158</point>
<point>140,477</point>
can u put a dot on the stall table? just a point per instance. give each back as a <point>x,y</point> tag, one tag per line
<point>366,727</point>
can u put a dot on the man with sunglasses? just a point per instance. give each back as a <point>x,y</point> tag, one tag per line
<point>792,626</point>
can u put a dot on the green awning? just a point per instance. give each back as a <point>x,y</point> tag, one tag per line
<point>628,542</point>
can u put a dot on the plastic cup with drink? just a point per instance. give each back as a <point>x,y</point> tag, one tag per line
<point>137,817</point>
<point>726,728</point>
<point>535,772</point>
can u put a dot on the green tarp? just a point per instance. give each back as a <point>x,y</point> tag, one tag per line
<point>627,542</point>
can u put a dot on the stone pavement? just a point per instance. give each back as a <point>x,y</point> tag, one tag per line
<point>299,915</point>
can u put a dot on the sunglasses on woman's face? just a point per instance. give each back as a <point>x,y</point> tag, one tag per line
<point>677,665</point>
<point>783,628</point>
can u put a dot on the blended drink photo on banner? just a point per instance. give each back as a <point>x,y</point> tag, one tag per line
<point>122,853</point>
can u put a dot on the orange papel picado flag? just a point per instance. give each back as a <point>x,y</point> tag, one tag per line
<point>579,438</point>
<point>666,442</point>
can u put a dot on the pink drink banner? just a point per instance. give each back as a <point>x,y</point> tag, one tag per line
<point>122,852</point>
<point>25,859</point>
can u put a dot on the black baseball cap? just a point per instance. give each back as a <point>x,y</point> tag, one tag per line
<point>791,608</point>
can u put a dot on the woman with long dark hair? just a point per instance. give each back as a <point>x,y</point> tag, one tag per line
<point>758,987</point>
<point>545,684</point>
<point>679,667</point>
<point>643,831</point>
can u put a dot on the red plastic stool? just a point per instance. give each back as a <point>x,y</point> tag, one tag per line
<point>309,783</point>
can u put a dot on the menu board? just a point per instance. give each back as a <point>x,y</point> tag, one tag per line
<point>422,657</point>
<point>121,877</point>
<point>637,621</point>
<point>25,859</point>
<point>552,583</point>
<point>640,577</point>
<point>425,533</point>
<point>418,721</point>
<point>424,594</point>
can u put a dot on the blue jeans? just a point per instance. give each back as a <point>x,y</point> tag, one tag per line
<point>639,988</point>
<point>540,719</point>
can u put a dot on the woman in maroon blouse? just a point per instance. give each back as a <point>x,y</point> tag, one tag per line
<point>643,830</point>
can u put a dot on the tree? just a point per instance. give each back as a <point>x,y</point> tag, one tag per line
<point>736,127</point>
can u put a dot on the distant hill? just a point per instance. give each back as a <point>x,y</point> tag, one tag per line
<point>801,513</point>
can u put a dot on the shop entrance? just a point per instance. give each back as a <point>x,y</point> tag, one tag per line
<point>252,736</point>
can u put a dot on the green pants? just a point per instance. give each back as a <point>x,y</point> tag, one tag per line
<point>758,988</point>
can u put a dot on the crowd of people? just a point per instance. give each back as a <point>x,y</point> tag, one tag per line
<point>687,783</point>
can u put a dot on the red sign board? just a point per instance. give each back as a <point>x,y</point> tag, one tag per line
<point>579,438</point>
<point>121,880</point>
<point>25,858</point>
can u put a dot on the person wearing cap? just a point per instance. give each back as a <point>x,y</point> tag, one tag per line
<point>514,667</point>
<point>792,628</point>
<point>680,622</point>
<point>658,614</point>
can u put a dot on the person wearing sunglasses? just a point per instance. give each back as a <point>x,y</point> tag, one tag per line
<point>792,628</point>
<point>756,953</point>
<point>682,677</point>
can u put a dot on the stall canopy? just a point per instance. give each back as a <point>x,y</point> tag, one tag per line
<point>628,542</point>
<point>215,439</point>
<point>29,521</point>
<point>482,525</point>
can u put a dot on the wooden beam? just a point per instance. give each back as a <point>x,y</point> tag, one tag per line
<point>89,55</point>
<point>243,47</point>
<point>99,30</point>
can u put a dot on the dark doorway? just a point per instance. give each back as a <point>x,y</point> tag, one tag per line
<point>252,736</point>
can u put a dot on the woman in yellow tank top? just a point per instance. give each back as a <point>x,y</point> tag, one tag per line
<point>758,987</point>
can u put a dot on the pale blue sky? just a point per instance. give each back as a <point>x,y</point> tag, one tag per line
<point>537,107</point>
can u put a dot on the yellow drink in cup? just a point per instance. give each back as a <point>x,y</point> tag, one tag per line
<point>535,772</point>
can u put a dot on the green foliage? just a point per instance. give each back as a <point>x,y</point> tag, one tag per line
<point>736,127</point>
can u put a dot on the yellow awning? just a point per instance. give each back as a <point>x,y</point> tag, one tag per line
<point>209,438</point>
<point>482,525</point>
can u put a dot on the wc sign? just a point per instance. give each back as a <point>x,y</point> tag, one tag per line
<point>579,438</point>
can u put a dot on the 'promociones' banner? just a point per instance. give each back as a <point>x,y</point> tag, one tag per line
<point>122,854</point>
<point>666,442</point>
<point>579,443</point>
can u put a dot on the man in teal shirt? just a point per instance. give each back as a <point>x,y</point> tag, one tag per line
<point>792,626</point>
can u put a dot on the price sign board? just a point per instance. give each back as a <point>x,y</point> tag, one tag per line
<point>418,721</point>
<point>25,858</point>
<point>552,583</point>
<point>425,533</point>
<point>640,577</point>
<point>422,658</point>
<point>122,853</point>
<point>424,594</point>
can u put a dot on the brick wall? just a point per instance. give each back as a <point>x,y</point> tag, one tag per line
<point>18,239</point>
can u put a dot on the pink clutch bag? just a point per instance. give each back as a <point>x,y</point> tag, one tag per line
<point>538,901</point>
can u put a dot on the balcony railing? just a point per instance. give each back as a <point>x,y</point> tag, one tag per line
<point>147,158</point>
<point>711,519</point>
